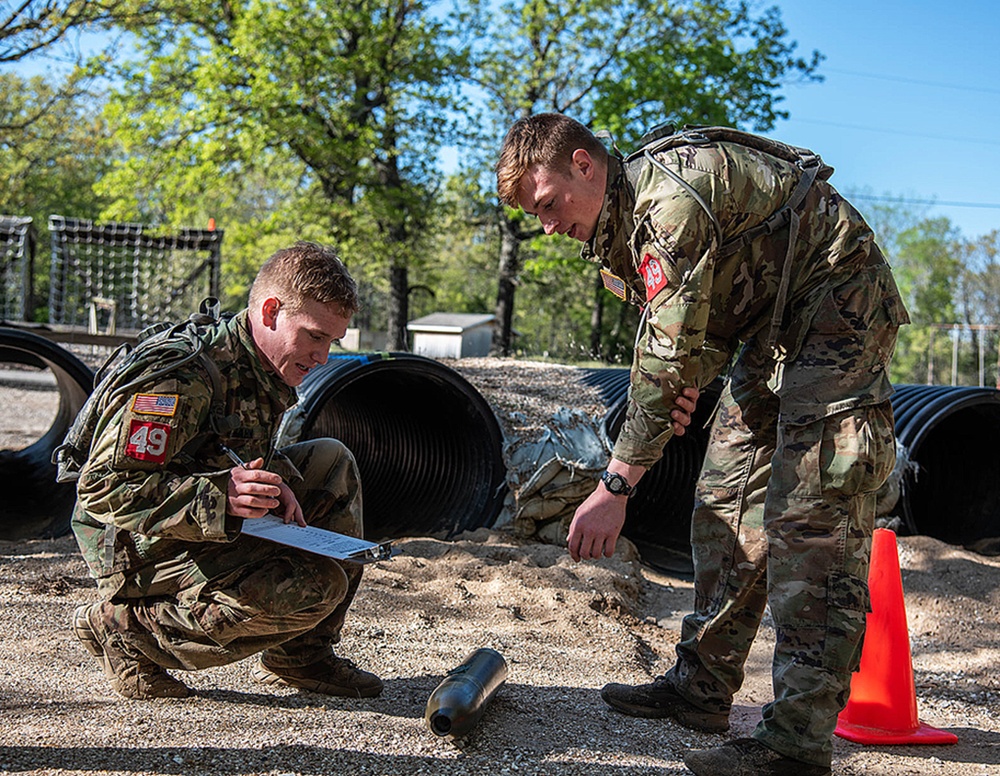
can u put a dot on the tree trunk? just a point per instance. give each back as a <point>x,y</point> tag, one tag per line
<point>510,265</point>
<point>399,309</point>
<point>393,223</point>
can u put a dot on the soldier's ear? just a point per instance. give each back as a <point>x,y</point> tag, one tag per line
<point>269,311</point>
<point>583,163</point>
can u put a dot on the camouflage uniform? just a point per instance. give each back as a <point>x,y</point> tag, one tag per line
<point>185,587</point>
<point>803,435</point>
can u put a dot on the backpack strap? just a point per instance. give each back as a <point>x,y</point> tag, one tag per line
<point>788,212</point>
<point>811,165</point>
<point>647,155</point>
<point>780,217</point>
<point>165,347</point>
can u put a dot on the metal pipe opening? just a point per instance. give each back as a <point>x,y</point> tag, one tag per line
<point>428,446</point>
<point>950,487</point>
<point>35,505</point>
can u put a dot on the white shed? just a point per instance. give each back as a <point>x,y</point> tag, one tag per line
<point>452,335</point>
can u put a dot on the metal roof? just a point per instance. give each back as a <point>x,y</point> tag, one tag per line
<point>450,323</point>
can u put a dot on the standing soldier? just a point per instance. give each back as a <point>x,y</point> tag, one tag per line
<point>160,505</point>
<point>742,256</point>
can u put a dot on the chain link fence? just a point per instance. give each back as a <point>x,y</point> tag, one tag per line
<point>17,264</point>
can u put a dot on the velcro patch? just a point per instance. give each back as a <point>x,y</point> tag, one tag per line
<point>652,275</point>
<point>147,441</point>
<point>164,404</point>
<point>613,283</point>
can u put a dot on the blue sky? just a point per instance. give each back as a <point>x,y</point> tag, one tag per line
<point>910,105</point>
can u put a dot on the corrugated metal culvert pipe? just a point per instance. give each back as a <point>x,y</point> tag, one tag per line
<point>34,504</point>
<point>428,445</point>
<point>950,439</point>
<point>950,469</point>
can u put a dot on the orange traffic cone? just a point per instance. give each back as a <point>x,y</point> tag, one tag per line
<point>883,705</point>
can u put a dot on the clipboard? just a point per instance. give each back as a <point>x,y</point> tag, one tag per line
<point>317,540</point>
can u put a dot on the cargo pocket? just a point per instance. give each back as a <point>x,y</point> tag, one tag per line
<point>854,457</point>
<point>849,453</point>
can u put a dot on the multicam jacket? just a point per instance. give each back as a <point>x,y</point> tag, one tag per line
<point>662,244</point>
<point>156,478</point>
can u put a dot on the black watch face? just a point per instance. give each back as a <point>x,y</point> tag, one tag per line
<point>616,483</point>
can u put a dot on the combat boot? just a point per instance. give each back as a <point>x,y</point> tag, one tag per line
<point>659,699</point>
<point>131,673</point>
<point>331,676</point>
<point>748,757</point>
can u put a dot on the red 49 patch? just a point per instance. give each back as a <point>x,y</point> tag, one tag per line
<point>652,275</point>
<point>147,441</point>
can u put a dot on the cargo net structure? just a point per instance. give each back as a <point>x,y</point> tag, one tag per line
<point>125,275</point>
<point>17,259</point>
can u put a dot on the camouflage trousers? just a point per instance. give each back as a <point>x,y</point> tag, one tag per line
<point>784,515</point>
<point>222,602</point>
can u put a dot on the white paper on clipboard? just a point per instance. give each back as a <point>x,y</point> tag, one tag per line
<point>317,540</point>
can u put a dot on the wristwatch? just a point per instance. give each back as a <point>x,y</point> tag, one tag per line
<point>616,484</point>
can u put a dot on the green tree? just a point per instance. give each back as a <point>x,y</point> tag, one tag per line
<point>951,286</point>
<point>928,271</point>
<point>352,93</point>
<point>980,303</point>
<point>624,66</point>
<point>29,26</point>
<point>458,275</point>
<point>51,153</point>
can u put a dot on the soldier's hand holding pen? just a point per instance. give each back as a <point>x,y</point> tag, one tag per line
<point>254,491</point>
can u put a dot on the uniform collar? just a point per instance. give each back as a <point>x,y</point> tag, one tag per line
<point>269,381</point>
<point>610,243</point>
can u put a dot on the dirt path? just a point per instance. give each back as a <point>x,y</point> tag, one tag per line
<point>564,628</point>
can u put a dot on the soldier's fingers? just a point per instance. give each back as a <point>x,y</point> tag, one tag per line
<point>260,475</point>
<point>259,489</point>
<point>257,501</point>
<point>684,404</point>
<point>253,514</point>
<point>246,480</point>
<point>692,393</point>
<point>291,512</point>
<point>573,545</point>
<point>589,549</point>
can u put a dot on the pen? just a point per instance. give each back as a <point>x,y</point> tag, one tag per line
<point>233,457</point>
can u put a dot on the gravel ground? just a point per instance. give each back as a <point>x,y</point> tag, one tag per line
<point>564,628</point>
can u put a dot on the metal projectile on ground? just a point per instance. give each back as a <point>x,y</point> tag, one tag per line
<point>458,703</point>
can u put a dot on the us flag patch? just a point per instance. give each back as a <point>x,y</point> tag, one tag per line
<point>613,283</point>
<point>155,404</point>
